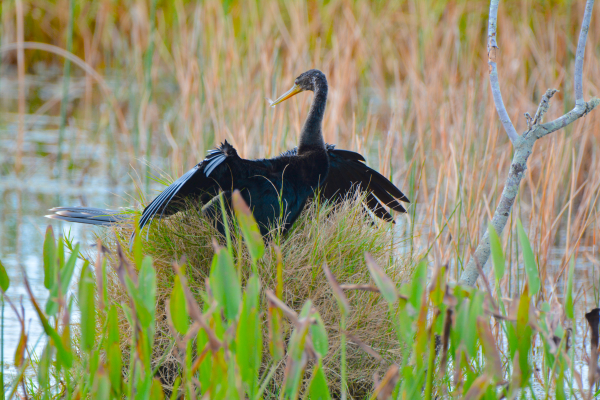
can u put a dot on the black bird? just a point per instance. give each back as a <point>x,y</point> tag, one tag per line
<point>276,188</point>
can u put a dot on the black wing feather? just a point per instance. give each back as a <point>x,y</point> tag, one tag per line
<point>385,183</point>
<point>347,170</point>
<point>378,209</point>
<point>161,202</point>
<point>386,198</point>
<point>194,182</point>
<point>346,154</point>
<point>352,176</point>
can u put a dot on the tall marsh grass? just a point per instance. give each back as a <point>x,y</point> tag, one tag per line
<point>338,236</point>
<point>408,88</point>
<point>165,81</point>
<point>243,328</point>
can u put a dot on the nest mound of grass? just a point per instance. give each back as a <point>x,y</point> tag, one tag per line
<point>339,235</point>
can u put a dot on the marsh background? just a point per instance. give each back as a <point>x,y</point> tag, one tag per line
<point>157,83</point>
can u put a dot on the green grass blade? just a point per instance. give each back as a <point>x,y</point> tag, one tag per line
<point>156,391</point>
<point>524,333</point>
<point>225,284</point>
<point>418,284</point>
<point>318,388</point>
<point>383,282</point>
<point>138,254</point>
<point>569,294</point>
<point>4,280</point>
<point>49,258</point>
<point>64,354</point>
<point>87,305</point>
<point>531,268</point>
<point>249,339</point>
<point>147,285</point>
<point>113,351</point>
<point>319,335</point>
<point>177,308</point>
<point>338,293</point>
<point>66,273</point>
<point>497,255</point>
<point>175,393</point>
<point>249,228</point>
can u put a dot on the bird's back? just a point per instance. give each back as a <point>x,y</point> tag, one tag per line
<point>277,189</point>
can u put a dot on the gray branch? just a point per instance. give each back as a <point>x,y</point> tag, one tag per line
<point>496,93</point>
<point>524,144</point>
<point>579,111</point>
<point>580,54</point>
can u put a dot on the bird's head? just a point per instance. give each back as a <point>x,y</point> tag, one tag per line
<point>309,80</point>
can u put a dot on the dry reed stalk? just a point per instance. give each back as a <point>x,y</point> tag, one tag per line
<point>21,77</point>
<point>415,70</point>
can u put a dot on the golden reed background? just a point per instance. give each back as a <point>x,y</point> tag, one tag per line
<point>408,88</point>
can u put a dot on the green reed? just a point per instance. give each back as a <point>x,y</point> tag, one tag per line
<point>457,342</point>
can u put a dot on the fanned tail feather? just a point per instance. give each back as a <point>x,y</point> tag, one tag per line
<point>89,215</point>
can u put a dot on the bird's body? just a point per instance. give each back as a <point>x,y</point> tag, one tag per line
<point>275,189</point>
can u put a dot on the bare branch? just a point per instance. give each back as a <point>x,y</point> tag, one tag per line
<point>581,106</point>
<point>579,111</point>
<point>524,144</point>
<point>579,55</point>
<point>496,93</point>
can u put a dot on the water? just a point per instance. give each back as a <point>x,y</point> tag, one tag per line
<point>92,176</point>
<point>21,241</point>
<point>23,205</point>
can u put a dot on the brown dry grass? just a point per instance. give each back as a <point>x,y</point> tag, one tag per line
<point>408,88</point>
<point>339,236</point>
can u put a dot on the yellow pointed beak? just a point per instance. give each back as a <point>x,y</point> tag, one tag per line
<point>292,92</point>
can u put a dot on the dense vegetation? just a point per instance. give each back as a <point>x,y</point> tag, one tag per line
<point>451,341</point>
<point>145,83</point>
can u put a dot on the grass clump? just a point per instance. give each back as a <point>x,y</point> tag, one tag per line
<point>435,339</point>
<point>337,235</point>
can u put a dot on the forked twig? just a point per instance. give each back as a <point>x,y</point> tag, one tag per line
<point>543,107</point>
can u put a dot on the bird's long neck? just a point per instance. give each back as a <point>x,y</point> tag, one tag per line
<point>312,134</point>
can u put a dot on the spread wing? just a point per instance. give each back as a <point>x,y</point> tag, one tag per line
<point>348,171</point>
<point>203,181</point>
<point>222,169</point>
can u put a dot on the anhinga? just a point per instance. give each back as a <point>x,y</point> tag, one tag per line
<point>273,188</point>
